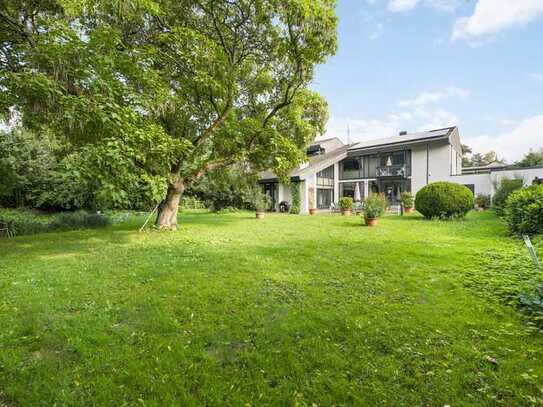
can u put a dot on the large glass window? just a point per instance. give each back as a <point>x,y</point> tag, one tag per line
<point>348,188</point>
<point>397,159</point>
<point>373,163</point>
<point>324,198</point>
<point>325,178</point>
<point>366,166</point>
<point>350,168</point>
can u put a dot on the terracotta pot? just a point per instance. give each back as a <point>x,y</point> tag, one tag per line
<point>409,210</point>
<point>312,211</point>
<point>346,212</point>
<point>372,222</point>
<point>260,214</point>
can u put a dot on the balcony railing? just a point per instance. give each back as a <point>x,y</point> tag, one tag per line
<point>392,171</point>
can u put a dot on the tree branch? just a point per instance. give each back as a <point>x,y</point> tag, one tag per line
<point>207,167</point>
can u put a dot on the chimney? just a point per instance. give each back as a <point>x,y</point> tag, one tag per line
<point>403,133</point>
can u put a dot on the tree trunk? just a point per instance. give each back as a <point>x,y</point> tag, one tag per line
<point>167,212</point>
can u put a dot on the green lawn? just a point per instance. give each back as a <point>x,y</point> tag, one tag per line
<point>291,310</point>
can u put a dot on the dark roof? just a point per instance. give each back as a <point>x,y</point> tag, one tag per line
<point>313,163</point>
<point>436,134</point>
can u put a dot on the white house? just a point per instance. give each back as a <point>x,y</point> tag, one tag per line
<point>406,162</point>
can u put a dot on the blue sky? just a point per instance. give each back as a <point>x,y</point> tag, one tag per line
<point>421,64</point>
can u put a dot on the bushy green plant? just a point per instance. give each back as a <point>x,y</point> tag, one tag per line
<point>192,202</point>
<point>26,222</point>
<point>505,188</point>
<point>230,187</point>
<point>27,163</point>
<point>444,200</point>
<point>407,199</point>
<point>346,203</point>
<point>524,210</point>
<point>23,222</point>
<point>296,198</point>
<point>532,302</point>
<point>482,201</point>
<point>374,206</point>
<point>260,201</point>
<point>79,220</point>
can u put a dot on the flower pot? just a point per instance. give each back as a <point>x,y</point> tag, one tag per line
<point>260,214</point>
<point>409,210</point>
<point>372,221</point>
<point>312,211</point>
<point>346,212</point>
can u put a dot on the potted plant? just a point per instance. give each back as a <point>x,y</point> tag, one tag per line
<point>261,203</point>
<point>374,206</point>
<point>346,205</point>
<point>482,201</point>
<point>408,202</point>
<point>312,209</point>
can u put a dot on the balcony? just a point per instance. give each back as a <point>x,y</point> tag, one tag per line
<point>392,171</point>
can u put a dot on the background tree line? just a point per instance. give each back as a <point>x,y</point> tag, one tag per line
<point>533,158</point>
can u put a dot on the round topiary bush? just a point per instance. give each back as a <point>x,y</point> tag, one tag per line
<point>444,200</point>
<point>524,211</point>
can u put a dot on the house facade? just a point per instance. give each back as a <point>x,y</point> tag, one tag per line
<point>406,162</point>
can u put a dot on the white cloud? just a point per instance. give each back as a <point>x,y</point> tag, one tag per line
<point>397,6</point>
<point>443,5</point>
<point>437,119</point>
<point>418,114</point>
<point>426,98</point>
<point>492,16</point>
<point>360,129</point>
<point>512,144</point>
<point>418,119</point>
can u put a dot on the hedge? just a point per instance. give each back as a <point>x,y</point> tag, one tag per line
<point>524,211</point>
<point>506,187</point>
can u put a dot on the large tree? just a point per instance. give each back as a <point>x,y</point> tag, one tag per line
<point>186,86</point>
<point>534,158</point>
<point>471,159</point>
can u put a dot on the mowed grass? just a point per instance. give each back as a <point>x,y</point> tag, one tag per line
<point>291,310</point>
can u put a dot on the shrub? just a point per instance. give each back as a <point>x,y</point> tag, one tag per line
<point>374,206</point>
<point>444,200</point>
<point>79,220</point>
<point>524,210</point>
<point>483,201</point>
<point>260,201</point>
<point>506,187</point>
<point>23,222</point>
<point>532,302</point>
<point>192,202</point>
<point>346,203</point>
<point>406,198</point>
<point>296,198</point>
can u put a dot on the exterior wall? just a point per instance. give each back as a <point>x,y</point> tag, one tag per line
<point>481,182</point>
<point>486,183</point>
<point>440,162</point>
<point>418,168</point>
<point>284,193</point>
<point>431,163</point>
